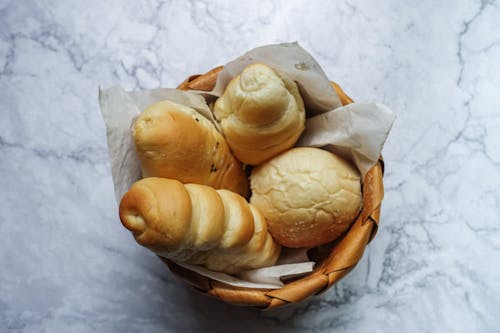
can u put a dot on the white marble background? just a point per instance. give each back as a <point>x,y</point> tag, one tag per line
<point>67,265</point>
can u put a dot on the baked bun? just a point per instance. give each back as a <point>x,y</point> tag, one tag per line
<point>261,114</point>
<point>308,196</point>
<point>174,141</point>
<point>196,224</point>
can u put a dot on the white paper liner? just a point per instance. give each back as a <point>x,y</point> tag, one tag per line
<point>262,278</point>
<point>357,132</point>
<point>119,110</point>
<point>296,63</point>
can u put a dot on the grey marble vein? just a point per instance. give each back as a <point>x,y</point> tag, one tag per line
<point>67,265</point>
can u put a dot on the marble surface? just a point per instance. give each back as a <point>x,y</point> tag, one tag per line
<point>67,265</point>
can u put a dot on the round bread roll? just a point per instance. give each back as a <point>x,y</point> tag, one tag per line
<point>308,196</point>
<point>261,114</point>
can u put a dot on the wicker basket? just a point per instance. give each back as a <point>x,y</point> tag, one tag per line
<point>337,260</point>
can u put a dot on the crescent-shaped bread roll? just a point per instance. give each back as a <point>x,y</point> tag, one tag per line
<point>196,224</point>
<point>174,141</point>
<point>261,114</point>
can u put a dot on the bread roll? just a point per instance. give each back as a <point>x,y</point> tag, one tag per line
<point>174,141</point>
<point>308,196</point>
<point>261,114</point>
<point>196,224</point>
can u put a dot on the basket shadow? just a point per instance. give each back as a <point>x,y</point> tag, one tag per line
<point>208,314</point>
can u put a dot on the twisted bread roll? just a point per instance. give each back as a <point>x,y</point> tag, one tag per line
<point>198,225</point>
<point>261,114</point>
<point>174,141</point>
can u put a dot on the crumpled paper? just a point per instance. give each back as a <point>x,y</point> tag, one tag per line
<point>292,262</point>
<point>119,110</point>
<point>296,63</point>
<point>357,132</point>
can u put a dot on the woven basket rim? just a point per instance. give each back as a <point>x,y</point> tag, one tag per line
<point>342,258</point>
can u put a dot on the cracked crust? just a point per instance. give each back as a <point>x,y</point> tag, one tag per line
<point>308,195</point>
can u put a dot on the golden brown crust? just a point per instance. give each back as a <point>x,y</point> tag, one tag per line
<point>145,207</point>
<point>261,114</point>
<point>196,224</point>
<point>343,257</point>
<point>271,251</point>
<point>174,141</point>
<point>259,251</point>
<point>239,225</point>
<point>263,243</point>
<point>207,217</point>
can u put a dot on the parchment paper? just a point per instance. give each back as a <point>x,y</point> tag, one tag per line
<point>262,278</point>
<point>357,131</point>
<point>293,61</point>
<point>119,110</point>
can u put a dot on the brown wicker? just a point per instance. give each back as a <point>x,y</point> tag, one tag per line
<point>343,255</point>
